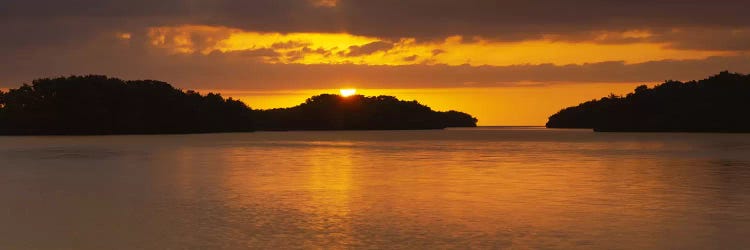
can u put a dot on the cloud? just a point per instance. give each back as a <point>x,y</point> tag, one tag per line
<point>196,39</point>
<point>369,49</point>
<point>499,20</point>
<point>324,3</point>
<point>337,48</point>
<point>436,52</point>
<point>411,58</point>
<point>267,54</point>
<point>257,44</point>
<point>244,70</point>
<point>707,39</point>
<point>290,45</point>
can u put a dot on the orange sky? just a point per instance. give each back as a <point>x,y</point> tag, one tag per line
<point>505,62</point>
<point>338,48</point>
<point>521,104</point>
<point>506,106</point>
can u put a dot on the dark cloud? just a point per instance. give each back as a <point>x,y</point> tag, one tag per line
<point>692,38</point>
<point>423,19</point>
<point>436,52</point>
<point>255,53</point>
<point>289,45</point>
<point>320,51</point>
<point>707,39</point>
<point>62,37</point>
<point>295,55</point>
<point>411,58</point>
<point>245,72</point>
<point>369,49</point>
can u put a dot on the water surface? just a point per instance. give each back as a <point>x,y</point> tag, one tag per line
<point>483,188</point>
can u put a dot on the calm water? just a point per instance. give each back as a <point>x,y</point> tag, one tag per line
<point>485,188</point>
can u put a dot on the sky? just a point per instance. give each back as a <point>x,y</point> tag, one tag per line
<point>505,62</point>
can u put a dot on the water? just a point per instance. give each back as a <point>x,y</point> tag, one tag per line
<point>483,188</point>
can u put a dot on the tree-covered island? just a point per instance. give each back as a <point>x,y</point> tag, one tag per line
<point>719,103</point>
<point>93,105</point>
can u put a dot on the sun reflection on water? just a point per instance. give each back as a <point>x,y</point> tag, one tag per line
<point>357,189</point>
<point>330,188</point>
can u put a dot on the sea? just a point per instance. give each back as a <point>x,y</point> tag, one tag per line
<point>473,188</point>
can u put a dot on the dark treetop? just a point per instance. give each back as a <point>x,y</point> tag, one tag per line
<point>327,112</point>
<point>717,104</point>
<point>102,105</point>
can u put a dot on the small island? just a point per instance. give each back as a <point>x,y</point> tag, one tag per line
<point>358,112</point>
<point>716,104</point>
<point>100,105</point>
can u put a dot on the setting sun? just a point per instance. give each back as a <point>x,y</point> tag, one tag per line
<point>348,92</point>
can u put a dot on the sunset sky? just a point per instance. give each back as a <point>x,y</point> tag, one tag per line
<point>506,62</point>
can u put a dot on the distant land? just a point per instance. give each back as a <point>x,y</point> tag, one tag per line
<point>717,104</point>
<point>98,105</point>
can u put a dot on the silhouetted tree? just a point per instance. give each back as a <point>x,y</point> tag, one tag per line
<point>714,104</point>
<point>334,112</point>
<point>101,105</point>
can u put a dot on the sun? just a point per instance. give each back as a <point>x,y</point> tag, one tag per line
<point>348,92</point>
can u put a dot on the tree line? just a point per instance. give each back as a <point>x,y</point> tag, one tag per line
<point>96,104</point>
<point>716,104</point>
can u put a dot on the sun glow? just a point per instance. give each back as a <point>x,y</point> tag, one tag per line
<point>348,92</point>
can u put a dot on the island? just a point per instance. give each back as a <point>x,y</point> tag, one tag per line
<point>357,112</point>
<point>716,104</point>
<point>100,105</point>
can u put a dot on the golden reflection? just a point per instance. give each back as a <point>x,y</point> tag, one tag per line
<point>314,183</point>
<point>344,193</point>
<point>184,178</point>
<point>330,187</point>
